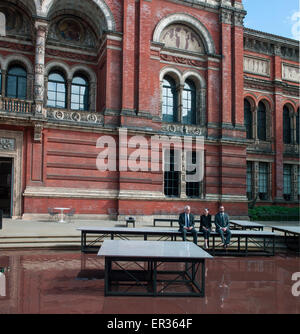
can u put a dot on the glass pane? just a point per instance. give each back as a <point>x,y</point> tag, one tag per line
<point>75,98</point>
<point>22,86</point>
<point>83,90</point>
<point>56,77</point>
<point>51,95</point>
<point>287,133</point>
<point>61,97</point>
<point>79,81</point>
<point>51,103</point>
<point>61,88</point>
<point>261,126</point>
<point>18,71</point>
<point>75,106</point>
<point>75,89</point>
<point>11,88</point>
<point>51,86</point>
<point>60,104</point>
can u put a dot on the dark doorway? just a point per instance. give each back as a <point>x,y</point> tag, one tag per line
<point>6,176</point>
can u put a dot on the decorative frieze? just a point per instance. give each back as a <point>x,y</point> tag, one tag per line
<point>290,73</point>
<point>183,129</point>
<point>257,66</point>
<point>180,60</point>
<point>75,116</point>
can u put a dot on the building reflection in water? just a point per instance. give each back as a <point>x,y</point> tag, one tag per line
<point>71,282</point>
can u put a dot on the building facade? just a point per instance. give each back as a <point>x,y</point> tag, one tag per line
<point>78,75</point>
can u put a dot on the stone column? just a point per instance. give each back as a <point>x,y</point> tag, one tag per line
<point>39,87</point>
<point>226,67</point>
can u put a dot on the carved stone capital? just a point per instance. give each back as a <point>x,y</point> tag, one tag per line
<point>238,19</point>
<point>225,16</point>
<point>38,132</point>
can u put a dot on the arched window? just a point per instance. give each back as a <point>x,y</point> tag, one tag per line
<point>79,93</point>
<point>297,127</point>
<point>170,100</point>
<point>287,131</point>
<point>189,103</point>
<point>262,121</point>
<point>16,85</point>
<point>56,90</point>
<point>248,119</point>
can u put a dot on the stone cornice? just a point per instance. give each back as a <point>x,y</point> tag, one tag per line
<point>270,37</point>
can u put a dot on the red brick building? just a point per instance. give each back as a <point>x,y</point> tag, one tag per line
<point>73,72</point>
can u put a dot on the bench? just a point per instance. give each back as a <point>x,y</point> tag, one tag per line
<point>246,225</point>
<point>265,241</point>
<point>291,236</point>
<point>170,220</point>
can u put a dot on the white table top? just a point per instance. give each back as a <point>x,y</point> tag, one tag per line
<point>152,249</point>
<point>61,208</point>
<point>293,229</point>
<point>245,223</point>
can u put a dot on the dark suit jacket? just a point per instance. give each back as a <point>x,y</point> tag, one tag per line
<point>218,221</point>
<point>205,222</point>
<point>182,220</point>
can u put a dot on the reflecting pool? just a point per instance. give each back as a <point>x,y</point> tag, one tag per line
<point>42,281</point>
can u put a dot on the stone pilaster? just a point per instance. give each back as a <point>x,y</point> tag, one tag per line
<point>39,86</point>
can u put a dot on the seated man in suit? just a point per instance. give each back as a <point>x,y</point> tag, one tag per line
<point>222,226</point>
<point>186,224</point>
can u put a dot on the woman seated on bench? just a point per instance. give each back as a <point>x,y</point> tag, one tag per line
<point>205,226</point>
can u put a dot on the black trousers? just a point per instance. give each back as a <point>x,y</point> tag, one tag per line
<point>192,231</point>
<point>206,233</point>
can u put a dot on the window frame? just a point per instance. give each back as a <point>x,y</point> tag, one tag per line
<point>172,177</point>
<point>56,82</point>
<point>166,117</point>
<point>262,121</point>
<point>192,98</point>
<point>287,182</point>
<point>263,181</point>
<point>286,126</point>
<point>248,119</point>
<point>16,85</point>
<point>85,96</point>
<point>192,189</point>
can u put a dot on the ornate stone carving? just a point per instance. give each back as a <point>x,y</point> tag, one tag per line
<point>257,66</point>
<point>290,73</point>
<point>226,16</point>
<point>181,37</point>
<point>180,60</point>
<point>75,116</point>
<point>238,18</point>
<point>38,132</point>
<point>7,144</point>
<point>183,129</point>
